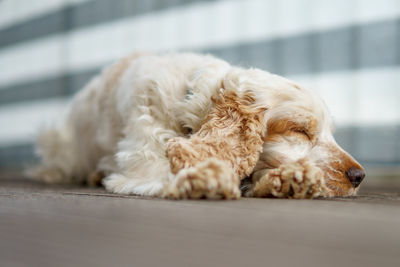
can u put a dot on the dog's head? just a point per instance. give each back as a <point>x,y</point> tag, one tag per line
<point>297,126</point>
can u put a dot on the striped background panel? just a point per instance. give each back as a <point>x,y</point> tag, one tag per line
<point>87,14</point>
<point>348,51</point>
<point>340,49</point>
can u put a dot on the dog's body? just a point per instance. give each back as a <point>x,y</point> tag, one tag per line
<point>190,126</point>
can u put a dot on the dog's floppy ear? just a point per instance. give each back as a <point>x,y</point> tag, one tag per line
<point>232,132</point>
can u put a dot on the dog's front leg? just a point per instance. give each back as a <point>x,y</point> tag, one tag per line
<point>299,179</point>
<point>211,163</point>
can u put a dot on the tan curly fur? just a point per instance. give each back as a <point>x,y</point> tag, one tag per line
<point>232,132</point>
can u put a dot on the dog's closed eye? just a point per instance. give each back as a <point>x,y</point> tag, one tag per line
<point>301,132</point>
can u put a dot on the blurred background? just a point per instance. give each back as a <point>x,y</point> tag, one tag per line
<point>348,51</point>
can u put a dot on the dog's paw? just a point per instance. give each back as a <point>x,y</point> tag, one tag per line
<point>211,179</point>
<point>293,180</point>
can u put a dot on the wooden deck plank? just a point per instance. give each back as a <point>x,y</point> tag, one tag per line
<point>75,226</point>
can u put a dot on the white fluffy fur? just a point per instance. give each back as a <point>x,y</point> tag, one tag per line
<point>121,121</point>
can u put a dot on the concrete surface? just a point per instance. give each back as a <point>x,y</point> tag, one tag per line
<point>76,226</point>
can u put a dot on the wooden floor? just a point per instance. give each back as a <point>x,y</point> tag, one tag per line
<point>69,226</point>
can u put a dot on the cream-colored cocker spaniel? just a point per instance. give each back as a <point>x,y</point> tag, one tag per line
<point>193,126</point>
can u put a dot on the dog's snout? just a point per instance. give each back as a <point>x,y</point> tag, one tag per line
<point>355,176</point>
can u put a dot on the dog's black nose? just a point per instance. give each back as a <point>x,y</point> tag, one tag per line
<point>355,176</point>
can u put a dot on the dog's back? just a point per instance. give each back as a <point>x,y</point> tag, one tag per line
<point>78,145</point>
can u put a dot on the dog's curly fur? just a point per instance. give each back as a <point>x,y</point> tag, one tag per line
<point>192,126</point>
